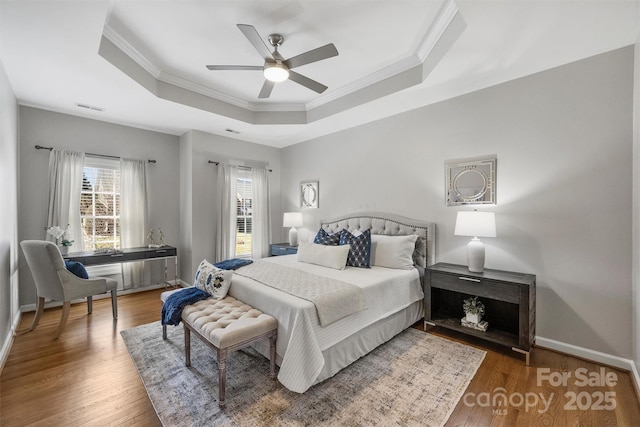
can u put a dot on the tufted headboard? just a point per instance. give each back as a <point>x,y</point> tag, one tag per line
<point>391,225</point>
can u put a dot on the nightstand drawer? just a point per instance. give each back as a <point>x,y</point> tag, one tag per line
<point>282,249</point>
<point>476,286</point>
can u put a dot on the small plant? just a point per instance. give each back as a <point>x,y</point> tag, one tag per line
<point>473,306</point>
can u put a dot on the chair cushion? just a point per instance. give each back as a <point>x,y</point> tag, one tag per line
<point>77,268</point>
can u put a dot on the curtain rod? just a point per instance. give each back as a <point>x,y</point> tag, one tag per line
<point>40,147</point>
<point>213,162</point>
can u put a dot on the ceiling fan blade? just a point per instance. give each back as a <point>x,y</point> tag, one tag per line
<point>318,54</point>
<point>307,82</point>
<point>235,67</point>
<point>267,87</point>
<point>254,38</point>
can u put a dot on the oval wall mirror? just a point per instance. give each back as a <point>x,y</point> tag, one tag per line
<point>471,181</point>
<point>309,194</point>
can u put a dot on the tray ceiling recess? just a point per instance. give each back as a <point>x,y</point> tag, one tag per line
<point>121,46</point>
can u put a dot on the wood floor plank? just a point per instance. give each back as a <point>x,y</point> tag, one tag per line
<point>87,378</point>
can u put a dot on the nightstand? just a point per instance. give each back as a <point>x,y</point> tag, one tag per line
<point>509,299</point>
<point>276,249</point>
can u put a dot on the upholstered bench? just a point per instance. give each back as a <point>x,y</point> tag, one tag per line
<point>227,325</point>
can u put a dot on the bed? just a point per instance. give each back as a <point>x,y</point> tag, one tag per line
<point>308,352</point>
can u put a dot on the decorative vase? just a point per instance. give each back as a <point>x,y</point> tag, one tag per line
<point>474,317</point>
<point>64,250</point>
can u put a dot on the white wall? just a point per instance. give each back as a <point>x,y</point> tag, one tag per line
<point>636,212</point>
<point>91,136</point>
<point>198,182</point>
<point>564,141</point>
<point>9,310</point>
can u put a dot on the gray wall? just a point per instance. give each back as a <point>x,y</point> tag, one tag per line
<point>198,185</point>
<point>563,139</point>
<point>91,136</point>
<point>9,248</point>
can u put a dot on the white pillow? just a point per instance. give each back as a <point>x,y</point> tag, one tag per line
<point>327,256</point>
<point>393,251</point>
<point>213,280</point>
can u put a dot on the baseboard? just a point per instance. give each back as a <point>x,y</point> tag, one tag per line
<point>588,354</point>
<point>8,342</point>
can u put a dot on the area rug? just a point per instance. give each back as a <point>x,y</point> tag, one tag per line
<point>415,379</point>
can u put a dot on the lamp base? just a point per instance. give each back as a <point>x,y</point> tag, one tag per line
<point>475,255</point>
<point>293,236</point>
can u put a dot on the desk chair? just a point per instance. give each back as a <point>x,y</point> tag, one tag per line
<point>55,282</point>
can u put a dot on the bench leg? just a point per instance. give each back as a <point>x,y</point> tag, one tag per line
<point>222,376</point>
<point>164,332</point>
<point>187,346</point>
<point>272,342</point>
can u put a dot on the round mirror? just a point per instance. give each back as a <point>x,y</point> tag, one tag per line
<point>470,181</point>
<point>470,184</point>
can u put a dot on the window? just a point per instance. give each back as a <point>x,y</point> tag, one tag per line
<point>244,213</point>
<point>100,204</point>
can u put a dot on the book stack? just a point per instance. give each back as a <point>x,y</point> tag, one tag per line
<point>482,326</point>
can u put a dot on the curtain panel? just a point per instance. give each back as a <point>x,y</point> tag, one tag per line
<point>226,212</point>
<point>133,215</point>
<point>261,220</point>
<point>65,185</point>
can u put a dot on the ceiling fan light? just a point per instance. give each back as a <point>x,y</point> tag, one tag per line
<point>276,73</point>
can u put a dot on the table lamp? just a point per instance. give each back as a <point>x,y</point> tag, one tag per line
<point>293,220</point>
<point>475,224</point>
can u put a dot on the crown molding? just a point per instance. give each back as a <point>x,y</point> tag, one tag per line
<point>424,49</point>
<point>397,76</point>
<point>114,37</point>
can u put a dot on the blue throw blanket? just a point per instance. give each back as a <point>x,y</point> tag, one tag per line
<point>172,308</point>
<point>233,263</point>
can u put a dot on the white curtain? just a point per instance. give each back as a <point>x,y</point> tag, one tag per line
<point>260,217</point>
<point>133,215</point>
<point>65,186</point>
<point>226,214</point>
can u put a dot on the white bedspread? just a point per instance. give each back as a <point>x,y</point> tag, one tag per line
<point>301,339</point>
<point>334,299</point>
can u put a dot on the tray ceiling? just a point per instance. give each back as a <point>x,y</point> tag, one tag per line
<point>143,62</point>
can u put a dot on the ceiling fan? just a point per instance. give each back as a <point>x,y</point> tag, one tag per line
<point>276,68</point>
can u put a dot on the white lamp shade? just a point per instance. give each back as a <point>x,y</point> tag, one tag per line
<point>476,224</point>
<point>292,219</point>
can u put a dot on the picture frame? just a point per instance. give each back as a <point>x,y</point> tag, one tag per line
<point>309,194</point>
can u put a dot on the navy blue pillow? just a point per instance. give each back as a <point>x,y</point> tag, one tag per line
<point>360,251</point>
<point>324,238</point>
<point>76,268</point>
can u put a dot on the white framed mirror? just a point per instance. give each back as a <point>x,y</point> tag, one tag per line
<point>471,181</point>
<point>309,194</point>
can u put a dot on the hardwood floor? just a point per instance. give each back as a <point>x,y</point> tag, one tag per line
<point>87,378</point>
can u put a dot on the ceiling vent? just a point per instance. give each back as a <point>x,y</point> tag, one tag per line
<point>89,107</point>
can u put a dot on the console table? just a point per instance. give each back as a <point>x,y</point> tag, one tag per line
<point>509,299</point>
<point>144,253</point>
